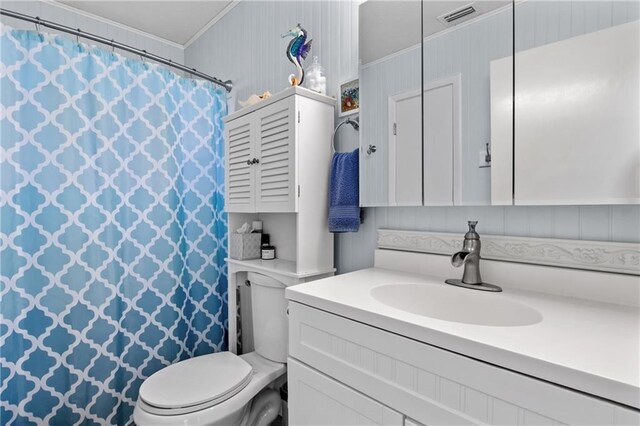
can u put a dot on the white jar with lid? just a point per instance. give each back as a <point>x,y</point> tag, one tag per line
<point>315,77</point>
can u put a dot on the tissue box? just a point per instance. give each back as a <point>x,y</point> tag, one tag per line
<point>245,246</point>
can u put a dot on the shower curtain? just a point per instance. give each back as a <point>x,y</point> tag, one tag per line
<point>112,228</point>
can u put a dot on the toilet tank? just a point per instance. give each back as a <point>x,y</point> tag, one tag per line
<point>270,322</point>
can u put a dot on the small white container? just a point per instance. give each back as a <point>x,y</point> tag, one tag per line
<point>316,80</point>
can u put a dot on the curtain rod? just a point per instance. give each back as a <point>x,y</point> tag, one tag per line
<point>116,45</point>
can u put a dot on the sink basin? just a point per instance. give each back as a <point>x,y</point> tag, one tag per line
<point>456,304</point>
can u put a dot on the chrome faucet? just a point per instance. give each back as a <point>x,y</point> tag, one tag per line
<point>469,256</point>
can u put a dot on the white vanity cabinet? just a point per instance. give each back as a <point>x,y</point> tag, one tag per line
<point>273,148</point>
<point>371,376</point>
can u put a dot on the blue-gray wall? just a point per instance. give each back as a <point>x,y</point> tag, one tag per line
<point>245,46</point>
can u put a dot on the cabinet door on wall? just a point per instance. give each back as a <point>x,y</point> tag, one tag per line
<point>239,171</point>
<point>315,399</point>
<point>275,145</point>
<point>577,120</point>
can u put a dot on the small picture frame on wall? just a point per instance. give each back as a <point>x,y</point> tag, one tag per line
<point>349,97</point>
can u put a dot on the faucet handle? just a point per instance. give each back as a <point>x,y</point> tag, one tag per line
<point>471,233</point>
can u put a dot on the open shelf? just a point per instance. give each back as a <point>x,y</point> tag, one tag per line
<point>278,266</point>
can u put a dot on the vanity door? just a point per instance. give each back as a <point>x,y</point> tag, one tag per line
<point>315,399</point>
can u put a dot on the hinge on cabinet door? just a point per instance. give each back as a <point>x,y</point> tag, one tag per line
<point>298,191</point>
<point>395,128</point>
<point>298,116</point>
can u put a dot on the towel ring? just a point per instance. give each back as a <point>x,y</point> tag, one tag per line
<point>354,124</point>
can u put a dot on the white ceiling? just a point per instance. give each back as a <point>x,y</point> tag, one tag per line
<point>177,20</point>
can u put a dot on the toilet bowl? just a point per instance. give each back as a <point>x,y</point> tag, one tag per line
<point>224,388</point>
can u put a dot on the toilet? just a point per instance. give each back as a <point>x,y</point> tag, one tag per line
<point>224,388</point>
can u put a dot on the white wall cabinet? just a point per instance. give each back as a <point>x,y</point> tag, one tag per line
<point>260,165</point>
<point>265,151</point>
<point>426,384</point>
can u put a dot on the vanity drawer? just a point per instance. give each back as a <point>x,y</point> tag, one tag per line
<point>432,385</point>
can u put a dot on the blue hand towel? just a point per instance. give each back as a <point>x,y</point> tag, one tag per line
<point>344,196</point>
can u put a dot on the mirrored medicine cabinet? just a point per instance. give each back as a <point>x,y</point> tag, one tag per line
<point>458,121</point>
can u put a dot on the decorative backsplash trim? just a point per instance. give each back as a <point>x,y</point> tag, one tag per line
<point>591,255</point>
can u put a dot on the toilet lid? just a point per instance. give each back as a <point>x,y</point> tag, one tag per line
<point>203,380</point>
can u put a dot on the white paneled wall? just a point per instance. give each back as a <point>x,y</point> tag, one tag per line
<point>66,16</point>
<point>245,46</point>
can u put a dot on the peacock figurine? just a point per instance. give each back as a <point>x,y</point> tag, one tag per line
<point>297,51</point>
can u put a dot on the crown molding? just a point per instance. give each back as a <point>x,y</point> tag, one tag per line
<point>615,257</point>
<point>211,23</point>
<point>111,23</point>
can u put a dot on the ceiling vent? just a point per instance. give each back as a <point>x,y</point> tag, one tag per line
<point>455,16</point>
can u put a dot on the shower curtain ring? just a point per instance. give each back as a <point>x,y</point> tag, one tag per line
<point>113,48</point>
<point>78,36</point>
<point>37,23</point>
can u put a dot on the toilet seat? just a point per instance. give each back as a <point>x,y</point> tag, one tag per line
<point>195,384</point>
<point>264,372</point>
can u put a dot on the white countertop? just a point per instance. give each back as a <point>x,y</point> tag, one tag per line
<point>584,345</point>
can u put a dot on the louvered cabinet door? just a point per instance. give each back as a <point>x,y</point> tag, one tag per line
<point>240,175</point>
<point>275,174</point>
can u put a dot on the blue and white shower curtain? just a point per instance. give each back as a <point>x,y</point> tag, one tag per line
<point>112,228</point>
